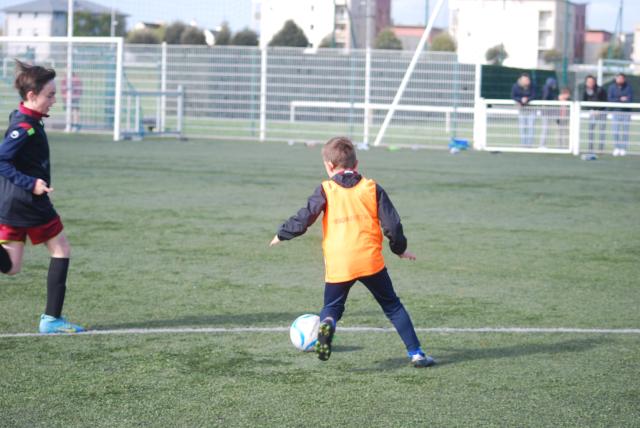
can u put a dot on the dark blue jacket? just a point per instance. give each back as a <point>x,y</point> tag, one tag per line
<point>550,90</point>
<point>518,92</point>
<point>24,157</point>
<point>387,214</point>
<point>616,92</point>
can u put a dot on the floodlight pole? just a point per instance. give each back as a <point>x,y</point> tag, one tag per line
<point>408,73</point>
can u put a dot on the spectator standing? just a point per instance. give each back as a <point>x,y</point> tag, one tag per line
<point>620,92</point>
<point>522,93</point>
<point>549,93</point>
<point>597,116</point>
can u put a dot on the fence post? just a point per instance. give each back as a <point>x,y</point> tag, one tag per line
<point>163,88</point>
<point>180,108</point>
<point>479,114</point>
<point>574,128</point>
<point>600,72</point>
<point>263,93</point>
<point>118,89</point>
<point>367,94</point>
<point>70,88</point>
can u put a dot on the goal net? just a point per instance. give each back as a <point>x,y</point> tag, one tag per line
<point>88,76</point>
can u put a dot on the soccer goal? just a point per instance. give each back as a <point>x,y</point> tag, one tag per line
<point>152,113</point>
<point>89,78</point>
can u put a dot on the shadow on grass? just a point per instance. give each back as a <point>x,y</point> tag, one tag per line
<point>457,356</point>
<point>341,348</point>
<point>454,356</point>
<point>255,319</point>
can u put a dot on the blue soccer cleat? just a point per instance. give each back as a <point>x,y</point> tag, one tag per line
<point>52,325</point>
<point>419,359</point>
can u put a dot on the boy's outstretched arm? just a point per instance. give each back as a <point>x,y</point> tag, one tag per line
<point>298,224</point>
<point>391,225</point>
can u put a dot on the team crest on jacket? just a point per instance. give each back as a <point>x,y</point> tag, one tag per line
<point>15,134</point>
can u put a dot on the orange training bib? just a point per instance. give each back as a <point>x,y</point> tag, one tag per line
<point>352,239</point>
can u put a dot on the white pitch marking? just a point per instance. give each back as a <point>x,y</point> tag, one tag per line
<point>235,330</point>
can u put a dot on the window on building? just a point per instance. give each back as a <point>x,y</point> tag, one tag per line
<point>545,20</point>
<point>19,32</point>
<point>545,41</point>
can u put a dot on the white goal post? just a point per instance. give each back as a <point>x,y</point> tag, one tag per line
<point>98,63</point>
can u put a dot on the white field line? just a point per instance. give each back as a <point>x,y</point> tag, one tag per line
<point>236,330</point>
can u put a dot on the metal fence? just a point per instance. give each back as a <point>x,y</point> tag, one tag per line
<point>297,95</point>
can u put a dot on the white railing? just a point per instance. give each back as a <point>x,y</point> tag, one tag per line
<point>554,126</point>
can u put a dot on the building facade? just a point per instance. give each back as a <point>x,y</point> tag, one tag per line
<point>46,17</point>
<point>529,30</point>
<point>594,42</point>
<point>43,18</point>
<point>342,22</point>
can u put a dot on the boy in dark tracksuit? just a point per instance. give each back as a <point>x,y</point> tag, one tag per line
<point>25,180</point>
<point>354,209</point>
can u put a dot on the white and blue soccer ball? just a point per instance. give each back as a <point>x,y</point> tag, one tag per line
<point>304,332</point>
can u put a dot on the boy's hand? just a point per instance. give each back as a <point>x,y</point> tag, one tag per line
<point>41,187</point>
<point>408,255</point>
<point>274,241</point>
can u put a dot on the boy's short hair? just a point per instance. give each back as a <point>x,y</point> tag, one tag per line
<point>31,78</point>
<point>340,152</point>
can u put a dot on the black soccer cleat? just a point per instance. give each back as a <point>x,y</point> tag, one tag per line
<point>325,336</point>
<point>5,260</point>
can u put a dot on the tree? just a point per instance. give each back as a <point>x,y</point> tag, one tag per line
<point>290,35</point>
<point>387,39</point>
<point>443,42</point>
<point>552,56</point>
<point>87,24</point>
<point>614,51</point>
<point>223,36</point>
<point>496,55</point>
<point>245,37</point>
<point>143,36</point>
<point>328,41</point>
<point>173,32</point>
<point>192,36</point>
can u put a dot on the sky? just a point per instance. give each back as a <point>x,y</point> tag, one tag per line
<point>601,14</point>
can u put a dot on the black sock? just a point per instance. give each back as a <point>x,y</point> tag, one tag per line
<point>56,286</point>
<point>5,260</point>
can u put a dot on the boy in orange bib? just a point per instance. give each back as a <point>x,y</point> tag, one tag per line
<point>354,208</point>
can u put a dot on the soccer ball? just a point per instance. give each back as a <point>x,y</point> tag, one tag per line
<point>304,332</point>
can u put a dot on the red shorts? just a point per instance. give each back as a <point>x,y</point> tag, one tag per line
<point>37,234</point>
